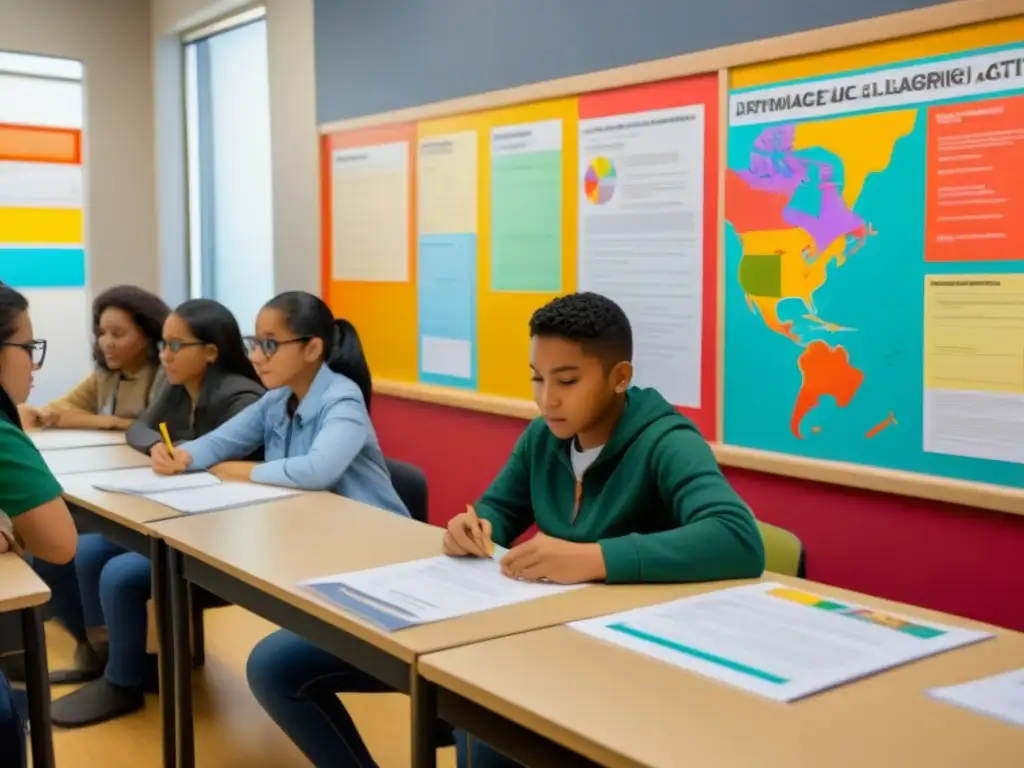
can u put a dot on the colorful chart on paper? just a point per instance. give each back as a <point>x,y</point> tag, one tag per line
<point>874,275</point>
<point>599,181</point>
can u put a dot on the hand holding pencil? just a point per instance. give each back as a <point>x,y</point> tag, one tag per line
<point>468,535</point>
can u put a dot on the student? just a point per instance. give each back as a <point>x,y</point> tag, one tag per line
<point>211,380</point>
<point>313,424</point>
<point>127,322</point>
<point>33,515</point>
<point>653,507</point>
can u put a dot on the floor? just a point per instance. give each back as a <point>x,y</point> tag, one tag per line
<point>231,729</point>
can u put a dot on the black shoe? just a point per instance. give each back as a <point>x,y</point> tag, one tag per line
<point>97,702</point>
<point>89,664</point>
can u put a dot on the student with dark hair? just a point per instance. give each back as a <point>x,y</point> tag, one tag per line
<point>211,380</point>
<point>314,425</point>
<point>622,487</point>
<point>127,323</point>
<point>33,516</point>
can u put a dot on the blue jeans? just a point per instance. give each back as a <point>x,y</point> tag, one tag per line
<point>297,684</point>
<point>107,585</point>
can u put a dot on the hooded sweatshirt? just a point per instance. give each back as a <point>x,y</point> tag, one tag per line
<point>654,499</point>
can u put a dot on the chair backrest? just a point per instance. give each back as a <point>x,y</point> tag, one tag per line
<point>783,551</point>
<point>411,486</point>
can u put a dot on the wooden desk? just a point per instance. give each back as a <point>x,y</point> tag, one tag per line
<point>560,698</point>
<point>23,591</point>
<point>254,557</point>
<point>69,461</point>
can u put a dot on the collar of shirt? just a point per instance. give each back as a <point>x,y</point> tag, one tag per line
<point>310,405</point>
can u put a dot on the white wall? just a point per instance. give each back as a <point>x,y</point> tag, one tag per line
<point>293,137</point>
<point>111,37</point>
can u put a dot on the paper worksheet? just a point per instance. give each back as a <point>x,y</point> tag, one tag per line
<point>776,641</point>
<point>59,439</point>
<point>212,498</point>
<point>999,696</point>
<point>424,591</point>
<point>144,481</point>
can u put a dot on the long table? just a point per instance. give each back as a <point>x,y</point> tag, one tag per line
<point>23,591</point>
<point>561,698</point>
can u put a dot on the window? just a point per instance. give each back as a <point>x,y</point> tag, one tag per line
<point>42,248</point>
<point>227,107</point>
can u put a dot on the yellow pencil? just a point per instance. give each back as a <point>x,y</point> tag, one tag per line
<point>167,438</point>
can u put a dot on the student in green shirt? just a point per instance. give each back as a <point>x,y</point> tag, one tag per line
<point>622,487</point>
<point>30,496</point>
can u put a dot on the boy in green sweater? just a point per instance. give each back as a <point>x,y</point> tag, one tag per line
<point>622,487</point>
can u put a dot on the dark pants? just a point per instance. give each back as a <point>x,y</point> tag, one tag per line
<point>13,752</point>
<point>297,684</point>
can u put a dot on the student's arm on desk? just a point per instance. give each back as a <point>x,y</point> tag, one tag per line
<point>716,537</point>
<point>340,438</point>
<point>506,503</point>
<point>31,497</point>
<point>236,438</point>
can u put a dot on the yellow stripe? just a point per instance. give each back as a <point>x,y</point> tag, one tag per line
<point>56,226</point>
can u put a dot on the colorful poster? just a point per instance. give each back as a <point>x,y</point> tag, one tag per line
<point>446,173</point>
<point>370,185</point>
<point>641,229</point>
<point>846,196</point>
<point>526,207</point>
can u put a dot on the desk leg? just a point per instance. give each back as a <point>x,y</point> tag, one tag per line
<point>162,604</point>
<point>37,683</point>
<point>182,659</point>
<point>423,703</point>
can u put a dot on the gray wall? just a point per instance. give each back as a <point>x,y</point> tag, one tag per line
<point>378,55</point>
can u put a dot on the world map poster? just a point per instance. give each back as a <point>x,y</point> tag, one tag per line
<point>874,267</point>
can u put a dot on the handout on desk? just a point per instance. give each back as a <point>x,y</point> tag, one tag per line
<point>776,641</point>
<point>423,591</point>
<point>59,439</point>
<point>999,696</point>
<point>143,480</point>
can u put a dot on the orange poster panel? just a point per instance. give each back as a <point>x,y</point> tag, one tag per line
<point>384,312</point>
<point>974,196</point>
<point>40,145</point>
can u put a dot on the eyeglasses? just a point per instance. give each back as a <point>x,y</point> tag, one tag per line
<point>270,346</point>
<point>174,347</point>
<point>36,349</point>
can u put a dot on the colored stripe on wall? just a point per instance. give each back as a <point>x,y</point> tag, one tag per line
<point>41,225</point>
<point>44,145</point>
<point>40,185</point>
<point>43,267</point>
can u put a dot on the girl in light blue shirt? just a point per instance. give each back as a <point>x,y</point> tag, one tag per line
<point>313,423</point>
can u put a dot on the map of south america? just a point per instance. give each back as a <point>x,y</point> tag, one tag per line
<point>792,203</point>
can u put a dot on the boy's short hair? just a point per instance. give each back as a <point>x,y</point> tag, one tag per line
<point>595,321</point>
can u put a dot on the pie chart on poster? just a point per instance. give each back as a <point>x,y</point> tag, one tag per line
<point>599,181</point>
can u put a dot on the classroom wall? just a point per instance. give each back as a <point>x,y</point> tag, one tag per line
<point>111,38</point>
<point>389,54</point>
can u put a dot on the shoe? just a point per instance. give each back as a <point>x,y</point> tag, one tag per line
<point>89,665</point>
<point>96,702</point>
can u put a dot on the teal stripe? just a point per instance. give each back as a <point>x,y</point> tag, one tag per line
<point>43,267</point>
<point>735,666</point>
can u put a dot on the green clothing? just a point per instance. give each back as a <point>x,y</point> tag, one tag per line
<point>25,480</point>
<point>654,499</point>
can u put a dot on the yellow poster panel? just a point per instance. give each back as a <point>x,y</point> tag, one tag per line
<point>535,264</point>
<point>884,54</point>
<point>49,226</point>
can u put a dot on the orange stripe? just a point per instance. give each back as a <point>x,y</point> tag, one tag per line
<point>46,145</point>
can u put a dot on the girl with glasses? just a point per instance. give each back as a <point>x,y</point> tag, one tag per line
<point>33,515</point>
<point>210,380</point>
<point>127,322</point>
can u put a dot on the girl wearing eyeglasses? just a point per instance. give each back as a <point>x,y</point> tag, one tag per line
<point>211,380</point>
<point>127,322</point>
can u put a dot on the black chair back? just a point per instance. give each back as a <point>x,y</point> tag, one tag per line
<point>411,486</point>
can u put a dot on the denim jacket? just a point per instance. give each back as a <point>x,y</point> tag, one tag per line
<point>327,445</point>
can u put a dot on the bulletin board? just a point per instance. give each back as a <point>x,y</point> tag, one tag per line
<point>834,292</point>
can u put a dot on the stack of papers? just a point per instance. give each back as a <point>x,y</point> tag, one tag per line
<point>423,591</point>
<point>776,641</point>
<point>999,696</point>
<point>190,493</point>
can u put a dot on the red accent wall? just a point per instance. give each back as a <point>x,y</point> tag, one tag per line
<point>964,561</point>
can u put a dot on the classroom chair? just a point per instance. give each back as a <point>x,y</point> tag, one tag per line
<point>784,553</point>
<point>410,484</point>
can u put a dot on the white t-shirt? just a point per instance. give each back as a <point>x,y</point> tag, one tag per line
<point>581,460</point>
